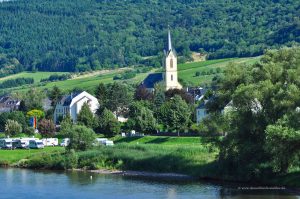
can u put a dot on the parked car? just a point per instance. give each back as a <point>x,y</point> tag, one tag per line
<point>36,144</point>
<point>65,142</point>
<point>6,143</point>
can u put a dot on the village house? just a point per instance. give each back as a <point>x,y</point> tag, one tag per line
<point>72,104</point>
<point>7,104</point>
<point>201,111</point>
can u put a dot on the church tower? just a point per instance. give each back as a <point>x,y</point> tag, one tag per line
<point>170,73</point>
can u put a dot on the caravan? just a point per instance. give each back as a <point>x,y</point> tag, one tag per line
<point>23,143</point>
<point>50,141</point>
<point>36,144</point>
<point>6,143</point>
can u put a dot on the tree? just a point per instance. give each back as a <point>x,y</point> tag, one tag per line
<point>108,124</point>
<point>34,99</point>
<point>19,117</point>
<point>55,95</point>
<point>182,93</point>
<point>81,138</point>
<point>66,125</point>
<point>175,114</point>
<point>85,116</point>
<point>141,93</point>
<point>264,95</point>
<point>23,106</point>
<point>3,118</point>
<point>35,113</point>
<point>101,94</point>
<point>46,128</point>
<point>283,138</point>
<point>12,128</point>
<point>119,98</point>
<point>141,119</point>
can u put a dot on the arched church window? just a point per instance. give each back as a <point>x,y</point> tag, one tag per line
<point>171,77</point>
<point>171,63</point>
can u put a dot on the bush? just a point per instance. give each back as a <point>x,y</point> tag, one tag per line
<point>71,159</point>
<point>12,128</point>
<point>81,138</point>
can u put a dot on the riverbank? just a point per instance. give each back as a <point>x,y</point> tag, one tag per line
<point>149,157</point>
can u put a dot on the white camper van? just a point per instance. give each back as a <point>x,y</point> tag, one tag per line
<point>36,144</point>
<point>6,143</point>
<point>23,143</point>
<point>50,141</point>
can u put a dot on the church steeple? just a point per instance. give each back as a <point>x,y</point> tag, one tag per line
<point>169,39</point>
<point>170,75</point>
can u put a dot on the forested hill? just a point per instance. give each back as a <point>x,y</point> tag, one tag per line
<point>78,35</point>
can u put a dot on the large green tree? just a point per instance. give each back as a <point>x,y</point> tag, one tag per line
<point>85,116</point>
<point>141,118</point>
<point>175,114</point>
<point>264,95</point>
<point>81,138</point>
<point>55,95</point>
<point>119,98</point>
<point>107,124</point>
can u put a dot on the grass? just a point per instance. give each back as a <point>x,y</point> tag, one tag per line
<point>37,76</point>
<point>186,72</point>
<point>13,156</point>
<point>162,140</point>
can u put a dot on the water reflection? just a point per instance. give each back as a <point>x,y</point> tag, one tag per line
<point>20,183</point>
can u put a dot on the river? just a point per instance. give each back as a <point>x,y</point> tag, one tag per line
<point>22,183</point>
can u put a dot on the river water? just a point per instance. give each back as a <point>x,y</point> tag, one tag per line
<point>22,183</point>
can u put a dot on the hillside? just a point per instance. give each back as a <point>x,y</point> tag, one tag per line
<point>62,35</point>
<point>89,80</point>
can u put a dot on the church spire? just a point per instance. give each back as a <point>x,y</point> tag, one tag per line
<point>169,39</point>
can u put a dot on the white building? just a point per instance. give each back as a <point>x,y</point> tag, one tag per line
<point>169,77</point>
<point>201,112</point>
<point>72,104</point>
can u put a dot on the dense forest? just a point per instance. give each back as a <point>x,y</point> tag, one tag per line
<point>62,35</point>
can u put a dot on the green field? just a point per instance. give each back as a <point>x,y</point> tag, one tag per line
<point>12,156</point>
<point>37,76</point>
<point>187,71</point>
<point>89,81</point>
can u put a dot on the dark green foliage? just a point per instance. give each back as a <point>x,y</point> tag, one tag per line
<point>16,82</point>
<point>125,75</point>
<point>56,77</point>
<point>119,97</point>
<point>66,125</point>
<point>85,116</point>
<point>107,124</point>
<point>141,93</point>
<point>55,95</point>
<point>81,138</point>
<point>174,114</point>
<point>93,34</point>
<point>141,119</point>
<point>182,93</point>
<point>16,116</point>
<point>101,94</point>
<point>262,135</point>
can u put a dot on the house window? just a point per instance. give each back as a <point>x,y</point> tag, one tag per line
<point>171,77</point>
<point>171,63</point>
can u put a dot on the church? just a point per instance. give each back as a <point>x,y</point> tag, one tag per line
<point>169,76</point>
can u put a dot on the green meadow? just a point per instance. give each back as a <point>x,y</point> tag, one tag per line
<point>89,81</point>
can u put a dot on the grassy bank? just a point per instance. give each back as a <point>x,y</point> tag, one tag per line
<point>187,155</point>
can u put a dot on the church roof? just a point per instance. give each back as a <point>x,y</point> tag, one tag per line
<point>152,79</point>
